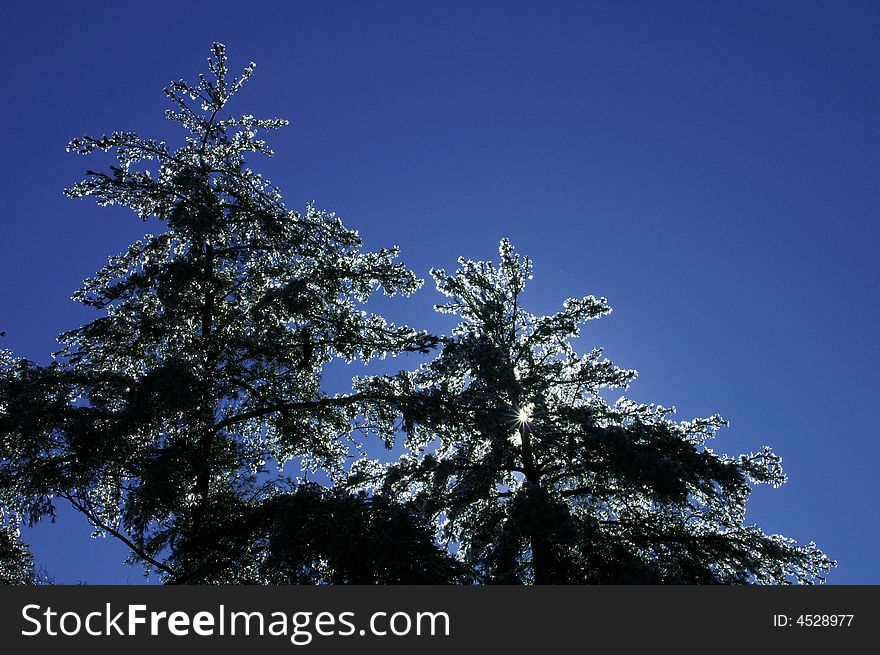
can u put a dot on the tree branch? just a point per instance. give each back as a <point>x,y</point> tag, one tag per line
<point>344,401</point>
<point>98,523</point>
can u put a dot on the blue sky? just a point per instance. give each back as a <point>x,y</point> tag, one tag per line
<point>711,168</point>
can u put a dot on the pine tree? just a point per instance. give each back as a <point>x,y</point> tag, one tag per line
<point>167,420</point>
<point>16,561</point>
<point>537,478</point>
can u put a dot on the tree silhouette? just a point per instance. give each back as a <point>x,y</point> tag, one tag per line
<point>539,479</point>
<point>16,561</point>
<point>166,421</point>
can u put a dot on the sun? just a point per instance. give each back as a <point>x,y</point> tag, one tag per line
<point>524,415</point>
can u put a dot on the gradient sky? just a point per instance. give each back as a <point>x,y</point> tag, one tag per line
<point>711,168</point>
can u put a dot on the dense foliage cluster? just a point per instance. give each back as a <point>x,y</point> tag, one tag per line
<point>540,479</point>
<point>16,561</point>
<point>167,421</point>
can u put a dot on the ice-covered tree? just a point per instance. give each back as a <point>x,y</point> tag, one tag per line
<point>166,420</point>
<point>16,561</point>
<point>536,478</point>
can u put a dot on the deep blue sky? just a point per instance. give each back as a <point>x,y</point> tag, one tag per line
<point>711,168</point>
